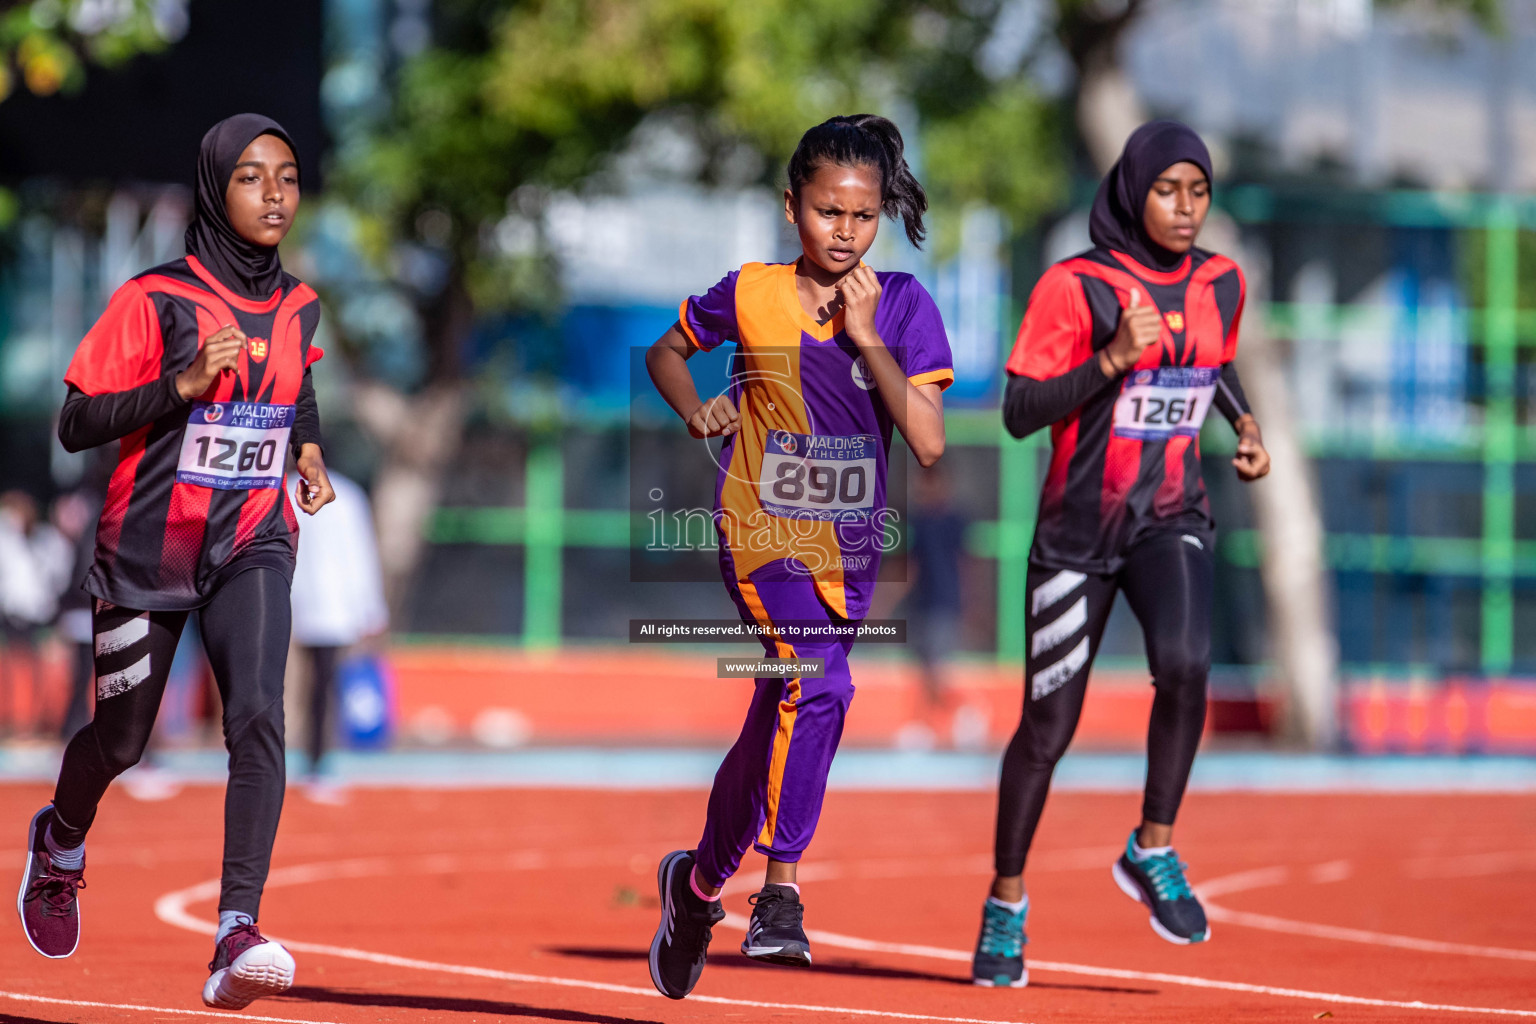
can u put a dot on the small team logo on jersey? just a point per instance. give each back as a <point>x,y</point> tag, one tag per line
<point>1175,320</point>
<point>213,413</point>
<point>256,348</point>
<point>786,442</point>
<point>861,375</point>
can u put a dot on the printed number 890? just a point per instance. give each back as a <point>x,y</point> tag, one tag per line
<point>824,483</point>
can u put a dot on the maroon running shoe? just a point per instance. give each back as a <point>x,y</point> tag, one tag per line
<point>48,902</point>
<point>246,967</point>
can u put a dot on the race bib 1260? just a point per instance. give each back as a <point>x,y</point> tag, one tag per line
<point>235,445</point>
<point>1169,401</point>
<point>814,476</point>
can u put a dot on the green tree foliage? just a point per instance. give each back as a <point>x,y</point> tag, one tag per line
<point>543,93</point>
<point>45,45</point>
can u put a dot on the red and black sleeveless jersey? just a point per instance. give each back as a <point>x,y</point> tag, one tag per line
<point>164,541</point>
<point>1127,461</point>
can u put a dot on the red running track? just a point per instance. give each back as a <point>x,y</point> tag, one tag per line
<point>420,905</point>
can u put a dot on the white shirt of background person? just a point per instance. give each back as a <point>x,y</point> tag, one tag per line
<point>338,588</point>
<point>30,570</point>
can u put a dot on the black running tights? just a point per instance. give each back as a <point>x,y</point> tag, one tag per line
<point>1167,580</point>
<point>245,630</point>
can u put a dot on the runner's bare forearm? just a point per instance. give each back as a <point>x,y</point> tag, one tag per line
<point>667,363</point>
<point>917,411</point>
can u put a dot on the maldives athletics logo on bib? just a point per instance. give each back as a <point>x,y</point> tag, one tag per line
<point>213,413</point>
<point>256,348</point>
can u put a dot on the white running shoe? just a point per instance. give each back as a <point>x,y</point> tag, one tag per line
<point>246,967</point>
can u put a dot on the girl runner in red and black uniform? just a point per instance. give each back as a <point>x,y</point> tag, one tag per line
<point>1123,350</point>
<point>200,369</point>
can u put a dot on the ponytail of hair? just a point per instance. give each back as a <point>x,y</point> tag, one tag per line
<point>857,140</point>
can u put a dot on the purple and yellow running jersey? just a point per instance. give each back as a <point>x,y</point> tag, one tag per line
<point>804,480</point>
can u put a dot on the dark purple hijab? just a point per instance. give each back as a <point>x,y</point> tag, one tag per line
<point>1116,220</point>
<point>252,271</point>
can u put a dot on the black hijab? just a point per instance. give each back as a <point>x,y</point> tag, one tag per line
<point>251,271</point>
<point>1116,221</point>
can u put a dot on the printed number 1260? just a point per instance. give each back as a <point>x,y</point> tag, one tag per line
<point>234,456</point>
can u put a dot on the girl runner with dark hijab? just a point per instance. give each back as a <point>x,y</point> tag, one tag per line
<point>1123,350</point>
<point>200,369</point>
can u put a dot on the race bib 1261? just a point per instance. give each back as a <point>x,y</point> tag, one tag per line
<point>815,476</point>
<point>1169,401</point>
<point>235,445</point>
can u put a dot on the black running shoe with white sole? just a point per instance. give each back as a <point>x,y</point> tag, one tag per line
<point>776,934</point>
<point>999,959</point>
<point>682,939</point>
<point>48,902</point>
<point>1157,881</point>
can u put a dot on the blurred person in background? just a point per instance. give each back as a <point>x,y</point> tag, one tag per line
<point>35,560</point>
<point>200,369</point>
<point>75,515</point>
<point>338,601</point>
<point>932,608</point>
<point>1122,352</point>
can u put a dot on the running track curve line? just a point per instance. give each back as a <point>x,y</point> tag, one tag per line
<point>171,908</point>
<point>1262,878</point>
<point>24,997</point>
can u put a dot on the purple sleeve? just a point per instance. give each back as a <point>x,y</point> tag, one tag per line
<point>923,344</point>
<point>710,319</point>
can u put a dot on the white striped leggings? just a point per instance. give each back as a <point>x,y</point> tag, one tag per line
<point>1167,580</point>
<point>245,629</point>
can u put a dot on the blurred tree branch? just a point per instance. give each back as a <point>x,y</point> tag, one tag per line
<point>45,45</point>
<point>518,99</point>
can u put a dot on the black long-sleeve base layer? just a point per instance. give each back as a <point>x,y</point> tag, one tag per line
<point>90,420</point>
<point>1029,404</point>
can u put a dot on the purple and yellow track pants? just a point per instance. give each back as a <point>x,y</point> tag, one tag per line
<point>769,789</point>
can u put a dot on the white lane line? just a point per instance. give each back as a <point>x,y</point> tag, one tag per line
<point>1333,871</point>
<point>172,909</point>
<point>388,960</point>
<point>51,1001</point>
<point>1471,865</point>
<point>1266,877</point>
<point>1190,981</point>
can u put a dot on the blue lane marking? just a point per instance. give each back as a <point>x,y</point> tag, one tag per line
<point>607,768</point>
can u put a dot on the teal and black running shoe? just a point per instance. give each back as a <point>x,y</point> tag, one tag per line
<point>999,960</point>
<point>1158,881</point>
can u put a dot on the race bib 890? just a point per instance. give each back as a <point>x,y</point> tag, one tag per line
<point>1169,401</point>
<point>235,445</point>
<point>813,476</point>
